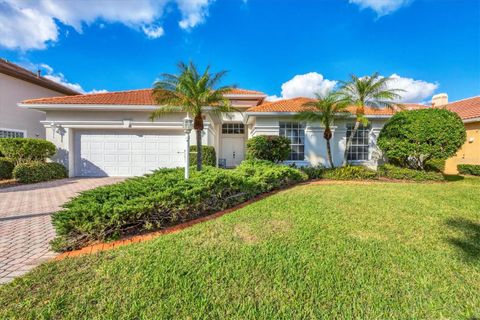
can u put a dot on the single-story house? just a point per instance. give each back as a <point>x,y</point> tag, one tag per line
<point>110,134</point>
<point>17,84</point>
<point>469,111</point>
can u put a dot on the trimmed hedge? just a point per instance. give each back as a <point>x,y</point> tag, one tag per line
<point>6,168</point>
<point>472,169</point>
<point>411,138</point>
<point>37,171</point>
<point>393,172</point>
<point>351,173</point>
<point>271,148</point>
<point>22,150</point>
<point>209,157</point>
<point>435,165</point>
<point>161,199</point>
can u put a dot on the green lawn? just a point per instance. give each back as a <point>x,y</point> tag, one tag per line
<point>344,250</point>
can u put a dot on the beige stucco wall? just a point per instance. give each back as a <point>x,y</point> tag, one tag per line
<point>12,91</point>
<point>470,151</point>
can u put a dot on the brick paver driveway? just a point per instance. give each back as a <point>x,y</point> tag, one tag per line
<point>25,226</point>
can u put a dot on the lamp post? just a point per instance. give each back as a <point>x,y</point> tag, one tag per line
<point>187,128</point>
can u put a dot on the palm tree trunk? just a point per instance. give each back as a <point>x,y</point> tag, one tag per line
<point>349,142</point>
<point>329,154</point>
<point>199,149</point>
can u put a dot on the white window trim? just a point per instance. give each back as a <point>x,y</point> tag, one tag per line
<point>368,144</point>
<point>304,142</point>
<point>15,130</point>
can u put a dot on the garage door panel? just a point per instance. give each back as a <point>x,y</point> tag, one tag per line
<point>126,153</point>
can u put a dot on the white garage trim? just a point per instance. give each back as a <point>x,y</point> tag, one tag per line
<point>126,152</point>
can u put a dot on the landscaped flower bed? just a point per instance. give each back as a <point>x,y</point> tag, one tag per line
<point>161,199</point>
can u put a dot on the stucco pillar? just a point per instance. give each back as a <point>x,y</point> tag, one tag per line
<point>71,152</point>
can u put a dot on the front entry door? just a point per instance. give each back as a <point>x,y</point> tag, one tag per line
<point>233,151</point>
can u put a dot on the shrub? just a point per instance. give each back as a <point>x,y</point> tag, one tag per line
<point>6,168</point>
<point>411,138</point>
<point>435,165</point>
<point>209,157</point>
<point>350,173</point>
<point>472,169</point>
<point>161,199</point>
<point>271,148</point>
<point>314,172</point>
<point>393,172</point>
<point>22,150</point>
<point>37,171</point>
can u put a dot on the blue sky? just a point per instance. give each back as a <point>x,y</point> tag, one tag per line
<point>283,48</point>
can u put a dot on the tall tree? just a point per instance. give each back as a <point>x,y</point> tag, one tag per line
<point>192,92</point>
<point>324,110</point>
<point>372,91</point>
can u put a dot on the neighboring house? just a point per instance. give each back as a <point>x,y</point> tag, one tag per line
<point>469,110</point>
<point>17,84</point>
<point>111,134</point>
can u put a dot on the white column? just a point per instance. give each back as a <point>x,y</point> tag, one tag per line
<point>71,152</point>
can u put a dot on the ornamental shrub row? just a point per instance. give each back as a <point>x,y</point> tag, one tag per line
<point>472,169</point>
<point>362,173</point>
<point>393,172</point>
<point>38,171</point>
<point>161,199</point>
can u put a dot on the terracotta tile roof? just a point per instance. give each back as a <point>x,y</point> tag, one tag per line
<point>18,72</point>
<point>467,108</point>
<point>132,97</point>
<point>296,105</point>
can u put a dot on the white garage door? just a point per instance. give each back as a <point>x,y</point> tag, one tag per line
<point>125,153</point>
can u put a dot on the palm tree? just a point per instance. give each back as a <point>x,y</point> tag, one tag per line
<point>324,109</point>
<point>372,91</point>
<point>194,93</point>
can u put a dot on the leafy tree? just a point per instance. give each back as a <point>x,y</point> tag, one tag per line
<point>412,138</point>
<point>324,110</point>
<point>372,91</point>
<point>194,93</point>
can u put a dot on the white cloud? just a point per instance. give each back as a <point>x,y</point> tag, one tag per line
<point>153,32</point>
<point>415,90</point>
<point>49,73</point>
<point>305,85</point>
<point>32,24</point>
<point>381,7</point>
<point>193,12</point>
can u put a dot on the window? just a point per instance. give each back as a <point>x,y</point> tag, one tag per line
<point>294,131</point>
<point>8,133</point>
<point>233,128</point>
<point>359,149</point>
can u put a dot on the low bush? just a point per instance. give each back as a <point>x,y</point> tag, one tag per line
<point>350,173</point>
<point>6,168</point>
<point>393,172</point>
<point>37,171</point>
<point>316,172</point>
<point>22,150</point>
<point>162,199</point>
<point>271,148</point>
<point>472,169</point>
<point>209,157</point>
<point>435,165</point>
